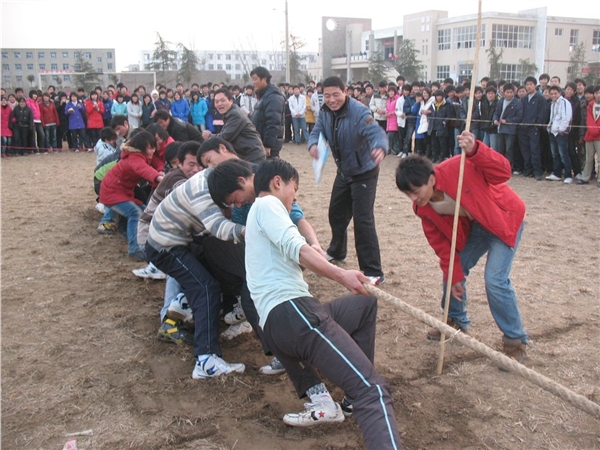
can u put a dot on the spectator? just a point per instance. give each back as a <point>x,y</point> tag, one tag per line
<point>50,121</point>
<point>94,108</point>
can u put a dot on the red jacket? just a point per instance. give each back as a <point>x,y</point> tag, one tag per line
<point>485,196</point>
<point>94,117</point>
<point>5,119</point>
<point>118,184</point>
<point>158,159</point>
<point>48,113</point>
<point>593,126</point>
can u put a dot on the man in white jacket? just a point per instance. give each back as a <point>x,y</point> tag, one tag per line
<point>561,113</point>
<point>297,105</point>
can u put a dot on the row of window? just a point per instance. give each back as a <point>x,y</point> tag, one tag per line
<point>42,55</point>
<point>510,72</point>
<point>6,79</point>
<point>42,66</point>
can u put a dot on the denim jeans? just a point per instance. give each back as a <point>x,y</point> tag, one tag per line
<point>410,129</point>
<point>501,296</point>
<point>457,150</point>
<point>132,211</point>
<point>560,154</point>
<point>299,123</point>
<point>393,142</point>
<point>51,136</point>
<point>172,288</point>
<point>38,138</point>
<point>506,147</point>
<point>6,143</point>
<point>491,140</point>
<point>529,143</point>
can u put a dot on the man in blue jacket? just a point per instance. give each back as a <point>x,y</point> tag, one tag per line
<point>509,113</point>
<point>358,144</point>
<point>534,115</point>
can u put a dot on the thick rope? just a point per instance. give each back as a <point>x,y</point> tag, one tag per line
<point>500,359</point>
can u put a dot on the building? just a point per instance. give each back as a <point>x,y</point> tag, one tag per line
<point>50,65</point>
<point>447,45</point>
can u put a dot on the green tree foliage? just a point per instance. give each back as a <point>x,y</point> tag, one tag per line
<point>526,69</point>
<point>592,78</point>
<point>297,75</point>
<point>188,65</point>
<point>576,61</point>
<point>31,79</point>
<point>495,60</point>
<point>163,58</point>
<point>408,64</point>
<point>89,78</point>
<point>377,68</point>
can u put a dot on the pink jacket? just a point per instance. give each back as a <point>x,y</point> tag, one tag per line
<point>390,108</point>
<point>35,108</point>
<point>5,116</point>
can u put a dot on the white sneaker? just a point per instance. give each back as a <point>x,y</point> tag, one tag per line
<point>579,176</point>
<point>180,309</point>
<point>552,177</point>
<point>273,368</point>
<point>100,208</point>
<point>236,316</point>
<point>236,330</point>
<point>210,366</point>
<point>568,180</point>
<point>314,414</point>
<point>376,281</point>
<point>150,271</point>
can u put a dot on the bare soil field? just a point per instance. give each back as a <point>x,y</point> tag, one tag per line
<point>79,347</point>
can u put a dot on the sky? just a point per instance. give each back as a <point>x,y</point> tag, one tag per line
<point>131,26</point>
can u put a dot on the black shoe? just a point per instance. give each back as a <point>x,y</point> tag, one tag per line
<point>582,182</point>
<point>538,177</point>
<point>346,407</point>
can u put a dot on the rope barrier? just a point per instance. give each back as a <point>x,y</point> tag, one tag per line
<point>506,363</point>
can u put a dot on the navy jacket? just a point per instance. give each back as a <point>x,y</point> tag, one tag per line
<point>534,110</point>
<point>513,114</point>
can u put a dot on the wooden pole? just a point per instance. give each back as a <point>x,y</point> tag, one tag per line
<point>461,172</point>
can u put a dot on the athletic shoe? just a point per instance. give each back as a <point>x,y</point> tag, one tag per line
<point>552,177</point>
<point>402,155</point>
<point>273,368</point>
<point>236,330</point>
<point>236,316</point>
<point>579,176</point>
<point>346,406</point>
<point>76,150</point>
<point>150,271</point>
<point>580,182</point>
<point>106,228</point>
<point>568,180</point>
<point>180,309</point>
<point>210,366</point>
<point>332,259</point>
<point>314,414</point>
<point>89,150</point>
<point>100,208</point>
<point>376,281</point>
<point>516,172</point>
<point>170,331</point>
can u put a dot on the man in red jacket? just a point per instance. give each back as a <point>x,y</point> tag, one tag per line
<point>491,221</point>
<point>592,138</point>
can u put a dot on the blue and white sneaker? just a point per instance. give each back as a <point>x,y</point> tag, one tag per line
<point>210,366</point>
<point>273,368</point>
<point>180,309</point>
<point>150,271</point>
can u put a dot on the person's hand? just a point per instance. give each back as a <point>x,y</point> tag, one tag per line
<point>496,122</point>
<point>503,121</point>
<point>378,154</point>
<point>466,141</point>
<point>402,116</point>
<point>458,290</point>
<point>353,281</point>
<point>314,151</point>
<point>206,134</point>
<point>267,151</point>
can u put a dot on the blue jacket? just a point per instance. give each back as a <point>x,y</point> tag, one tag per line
<point>534,110</point>
<point>408,104</point>
<point>180,109</point>
<point>76,121</point>
<point>198,111</point>
<point>352,134</point>
<point>414,110</point>
<point>119,109</point>
<point>438,118</point>
<point>107,108</point>
<point>513,114</point>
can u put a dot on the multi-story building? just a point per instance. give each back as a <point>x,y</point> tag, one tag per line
<point>48,65</point>
<point>447,45</point>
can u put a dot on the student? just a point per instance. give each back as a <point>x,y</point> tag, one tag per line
<point>21,121</point>
<point>106,145</point>
<point>148,110</point>
<point>509,113</point>
<point>94,108</point>
<point>488,109</point>
<point>107,102</point>
<point>491,221</point>
<point>592,139</point>
<point>180,108</point>
<point>37,134</point>
<point>134,111</point>
<point>394,104</point>
<point>178,129</point>
<point>441,111</point>
<point>411,120</point>
<point>337,338</point>
<point>198,110</point>
<point>75,111</point>
<point>119,107</point>
<point>561,114</point>
<point>50,121</point>
<point>6,130</point>
<point>63,126</point>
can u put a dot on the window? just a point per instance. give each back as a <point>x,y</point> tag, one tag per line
<point>87,55</point>
<point>19,78</point>
<point>211,67</point>
<point>65,54</point>
<point>53,55</point>
<point>573,40</point>
<point>227,66</point>
<point>464,37</point>
<point>238,67</point>
<point>18,67</point>
<point>367,46</point>
<point>6,79</point>
<point>109,66</point>
<point>42,66</point>
<point>211,56</point>
<point>54,78</point>
<point>558,31</point>
<point>54,66</point>
<point>65,66</point>
<point>99,70</point>
<point>425,47</point>
<point>596,41</point>
<point>17,55</point>
<point>4,55</point>
<point>465,71</point>
<point>109,55</point>
<point>41,55</point>
<point>228,57</point>
<point>29,66</point>
<point>99,59</point>
<point>219,56</point>
<point>77,67</point>
<point>76,55</point>
<point>219,66</point>
<point>512,36</point>
<point>263,62</point>
<point>509,72</point>
<point>29,55</point>
<point>6,67</point>
<point>444,39</point>
<point>237,56</point>
<point>67,78</point>
<point>443,72</point>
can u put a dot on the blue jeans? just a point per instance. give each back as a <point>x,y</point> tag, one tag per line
<point>506,147</point>
<point>410,129</point>
<point>491,140</point>
<point>299,123</point>
<point>6,143</point>
<point>501,296</point>
<point>51,136</point>
<point>560,154</point>
<point>172,288</point>
<point>132,211</point>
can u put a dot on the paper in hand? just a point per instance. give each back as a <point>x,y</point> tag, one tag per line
<point>319,163</point>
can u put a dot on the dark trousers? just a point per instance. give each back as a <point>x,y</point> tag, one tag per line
<point>529,143</point>
<point>506,147</point>
<point>93,136</point>
<point>38,137</point>
<point>201,289</point>
<point>439,147</point>
<point>288,128</point>
<point>355,200</point>
<point>338,340</point>
<point>21,139</point>
<point>573,143</point>
<point>79,138</point>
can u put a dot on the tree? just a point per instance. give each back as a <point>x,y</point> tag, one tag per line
<point>31,79</point>
<point>59,81</point>
<point>377,68</point>
<point>408,64</point>
<point>527,68</point>
<point>88,79</point>
<point>114,79</point>
<point>576,62</point>
<point>188,64</point>
<point>163,58</point>
<point>593,76</point>
<point>495,60</point>
<point>297,75</point>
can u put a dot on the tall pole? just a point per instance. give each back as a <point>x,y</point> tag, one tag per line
<point>287,46</point>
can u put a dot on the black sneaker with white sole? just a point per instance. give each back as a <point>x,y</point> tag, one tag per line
<point>346,407</point>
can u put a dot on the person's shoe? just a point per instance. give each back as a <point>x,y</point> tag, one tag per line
<point>434,334</point>
<point>579,176</point>
<point>516,172</point>
<point>100,208</point>
<point>402,155</point>
<point>170,331</point>
<point>89,150</point>
<point>514,348</point>
<point>273,368</point>
<point>376,281</point>
<point>150,271</point>
<point>211,366</point>
<point>568,180</point>
<point>346,407</point>
<point>538,177</point>
<point>332,259</point>
<point>580,182</point>
<point>598,184</point>
<point>180,309</point>
<point>236,316</point>
<point>76,150</point>
<point>106,228</point>
<point>552,177</point>
<point>314,414</point>
<point>236,330</point>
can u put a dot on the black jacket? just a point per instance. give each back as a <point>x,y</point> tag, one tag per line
<point>487,116</point>
<point>21,117</point>
<point>268,117</point>
<point>241,133</point>
<point>183,131</point>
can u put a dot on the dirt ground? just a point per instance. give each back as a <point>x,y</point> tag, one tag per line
<point>79,347</point>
